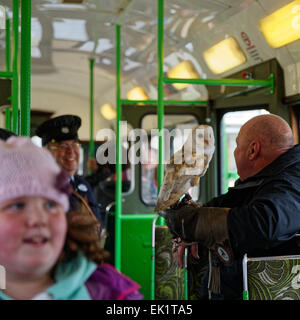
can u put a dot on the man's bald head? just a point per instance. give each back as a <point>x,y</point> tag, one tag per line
<point>260,141</point>
<point>272,131</point>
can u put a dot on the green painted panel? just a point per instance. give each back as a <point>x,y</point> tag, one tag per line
<point>136,253</point>
<point>135,250</point>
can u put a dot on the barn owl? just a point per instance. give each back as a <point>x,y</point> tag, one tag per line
<point>186,166</point>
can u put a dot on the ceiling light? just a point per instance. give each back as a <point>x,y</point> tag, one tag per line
<point>282,26</point>
<point>108,111</point>
<point>224,56</point>
<point>137,93</point>
<point>183,70</point>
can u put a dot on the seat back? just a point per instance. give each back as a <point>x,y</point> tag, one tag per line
<point>271,278</point>
<point>169,278</point>
<point>171,282</point>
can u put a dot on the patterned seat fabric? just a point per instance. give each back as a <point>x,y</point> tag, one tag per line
<point>169,279</point>
<point>274,278</point>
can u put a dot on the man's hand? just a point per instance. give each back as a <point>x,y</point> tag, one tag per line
<point>178,249</point>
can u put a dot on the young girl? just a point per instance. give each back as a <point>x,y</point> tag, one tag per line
<point>46,252</point>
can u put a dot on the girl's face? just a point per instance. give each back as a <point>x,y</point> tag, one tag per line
<point>32,235</point>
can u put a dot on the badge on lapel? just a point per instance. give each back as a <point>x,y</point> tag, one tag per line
<point>82,187</point>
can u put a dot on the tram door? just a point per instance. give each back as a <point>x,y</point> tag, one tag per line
<point>141,199</point>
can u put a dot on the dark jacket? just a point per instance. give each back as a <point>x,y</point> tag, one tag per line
<point>264,218</point>
<point>81,186</point>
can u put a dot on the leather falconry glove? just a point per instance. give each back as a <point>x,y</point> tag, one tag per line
<point>202,224</point>
<point>207,225</point>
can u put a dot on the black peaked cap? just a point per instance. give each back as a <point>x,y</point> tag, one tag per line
<point>59,129</point>
<point>5,134</point>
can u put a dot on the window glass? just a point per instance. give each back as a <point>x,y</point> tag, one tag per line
<point>230,126</point>
<point>149,151</point>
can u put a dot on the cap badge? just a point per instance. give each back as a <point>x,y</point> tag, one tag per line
<point>65,130</point>
<point>82,187</point>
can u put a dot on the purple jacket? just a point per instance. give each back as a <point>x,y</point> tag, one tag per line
<point>107,283</point>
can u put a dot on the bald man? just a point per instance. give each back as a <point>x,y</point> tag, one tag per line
<point>259,216</point>
<point>260,141</point>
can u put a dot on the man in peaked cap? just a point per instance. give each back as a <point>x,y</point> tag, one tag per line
<point>60,136</point>
<point>5,134</point>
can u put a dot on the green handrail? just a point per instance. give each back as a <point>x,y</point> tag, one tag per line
<point>7,62</point>
<point>166,102</point>
<point>141,216</point>
<point>6,74</point>
<point>118,191</point>
<point>25,74</point>
<point>226,82</point>
<point>92,144</point>
<point>15,67</point>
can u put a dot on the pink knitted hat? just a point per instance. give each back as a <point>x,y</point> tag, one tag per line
<point>28,170</point>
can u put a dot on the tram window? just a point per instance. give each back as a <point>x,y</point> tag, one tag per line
<point>149,152</point>
<point>230,126</point>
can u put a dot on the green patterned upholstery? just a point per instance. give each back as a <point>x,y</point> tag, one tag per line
<point>169,279</point>
<point>274,278</point>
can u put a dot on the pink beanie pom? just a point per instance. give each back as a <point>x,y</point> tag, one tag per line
<point>28,170</point>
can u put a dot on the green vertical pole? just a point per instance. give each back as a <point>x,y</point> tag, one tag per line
<point>160,100</point>
<point>8,69</point>
<point>160,125</point>
<point>15,67</point>
<point>118,153</point>
<point>92,145</point>
<point>25,67</point>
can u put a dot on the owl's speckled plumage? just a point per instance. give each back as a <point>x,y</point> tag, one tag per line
<point>196,154</point>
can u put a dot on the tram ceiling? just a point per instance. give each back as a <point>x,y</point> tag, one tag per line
<point>64,32</point>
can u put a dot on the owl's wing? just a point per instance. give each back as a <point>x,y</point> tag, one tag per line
<point>177,181</point>
<point>166,189</point>
<point>180,187</point>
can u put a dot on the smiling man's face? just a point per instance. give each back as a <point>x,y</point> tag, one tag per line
<point>66,154</point>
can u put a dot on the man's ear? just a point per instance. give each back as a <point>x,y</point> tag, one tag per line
<point>253,150</point>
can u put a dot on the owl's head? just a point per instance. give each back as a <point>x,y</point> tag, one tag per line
<point>203,138</point>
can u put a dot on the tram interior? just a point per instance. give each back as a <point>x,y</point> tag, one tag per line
<point>67,34</point>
